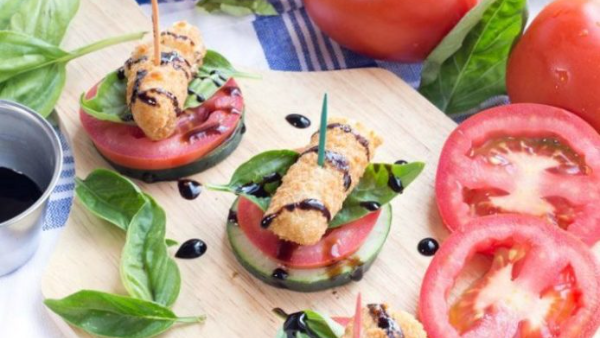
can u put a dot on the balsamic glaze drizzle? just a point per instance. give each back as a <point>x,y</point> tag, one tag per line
<point>179,37</point>
<point>348,129</point>
<point>307,204</point>
<point>338,161</point>
<point>151,100</point>
<point>380,315</point>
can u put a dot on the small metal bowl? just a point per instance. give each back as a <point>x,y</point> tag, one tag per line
<point>28,144</point>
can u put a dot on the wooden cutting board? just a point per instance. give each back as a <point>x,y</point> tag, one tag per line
<point>237,305</point>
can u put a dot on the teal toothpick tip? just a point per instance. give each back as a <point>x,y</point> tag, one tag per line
<point>323,133</point>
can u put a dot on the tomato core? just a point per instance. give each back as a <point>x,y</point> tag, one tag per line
<point>531,156</point>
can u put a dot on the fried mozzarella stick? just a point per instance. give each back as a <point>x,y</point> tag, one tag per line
<point>156,94</point>
<point>311,195</point>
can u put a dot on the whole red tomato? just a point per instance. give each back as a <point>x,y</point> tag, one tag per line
<point>557,62</point>
<point>398,30</point>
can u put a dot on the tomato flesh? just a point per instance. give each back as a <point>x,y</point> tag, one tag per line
<point>199,131</point>
<point>336,245</point>
<point>522,159</point>
<point>398,30</point>
<point>541,282</point>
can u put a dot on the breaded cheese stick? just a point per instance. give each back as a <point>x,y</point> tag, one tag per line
<point>310,195</point>
<point>398,324</point>
<point>156,94</point>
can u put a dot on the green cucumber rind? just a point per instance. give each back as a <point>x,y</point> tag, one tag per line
<point>172,174</point>
<point>308,284</point>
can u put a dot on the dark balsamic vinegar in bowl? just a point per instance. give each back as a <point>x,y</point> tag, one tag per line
<point>18,192</point>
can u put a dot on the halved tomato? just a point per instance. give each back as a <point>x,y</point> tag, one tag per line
<point>522,159</point>
<point>539,282</point>
<point>336,244</point>
<point>199,131</point>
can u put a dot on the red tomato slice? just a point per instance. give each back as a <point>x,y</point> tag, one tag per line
<point>522,159</point>
<point>200,130</point>
<point>336,245</point>
<point>541,283</point>
<point>343,321</point>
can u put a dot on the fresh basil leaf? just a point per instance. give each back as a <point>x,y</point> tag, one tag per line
<point>374,187</point>
<point>109,103</point>
<point>238,7</point>
<point>216,70</point>
<point>44,19</point>
<point>469,65</point>
<point>171,242</point>
<point>110,196</point>
<point>21,53</point>
<point>147,271</point>
<point>322,325</point>
<point>33,72</point>
<point>9,8</point>
<point>255,170</point>
<point>38,89</point>
<point>111,315</point>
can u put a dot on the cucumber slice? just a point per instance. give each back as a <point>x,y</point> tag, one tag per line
<point>210,160</point>
<point>310,280</point>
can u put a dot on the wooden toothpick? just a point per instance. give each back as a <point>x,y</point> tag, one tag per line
<point>323,133</point>
<point>156,30</point>
<point>357,317</point>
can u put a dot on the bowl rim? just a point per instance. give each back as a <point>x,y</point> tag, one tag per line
<point>30,116</point>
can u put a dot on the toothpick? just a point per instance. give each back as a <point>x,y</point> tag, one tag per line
<point>323,133</point>
<point>358,317</point>
<point>156,30</point>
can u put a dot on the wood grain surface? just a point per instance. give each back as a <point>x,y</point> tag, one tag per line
<point>237,305</point>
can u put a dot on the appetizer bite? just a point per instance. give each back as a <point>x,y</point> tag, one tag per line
<point>371,321</point>
<point>164,119</point>
<point>306,227</point>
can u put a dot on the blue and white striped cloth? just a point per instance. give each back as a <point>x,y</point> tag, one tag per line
<point>60,202</point>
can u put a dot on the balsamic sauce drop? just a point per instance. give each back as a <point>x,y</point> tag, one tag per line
<point>280,274</point>
<point>296,323</point>
<point>189,189</point>
<point>401,162</point>
<point>192,248</point>
<point>298,121</point>
<point>17,193</point>
<point>357,274</point>
<point>428,246</point>
<point>395,184</point>
<point>232,217</point>
<point>370,205</point>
